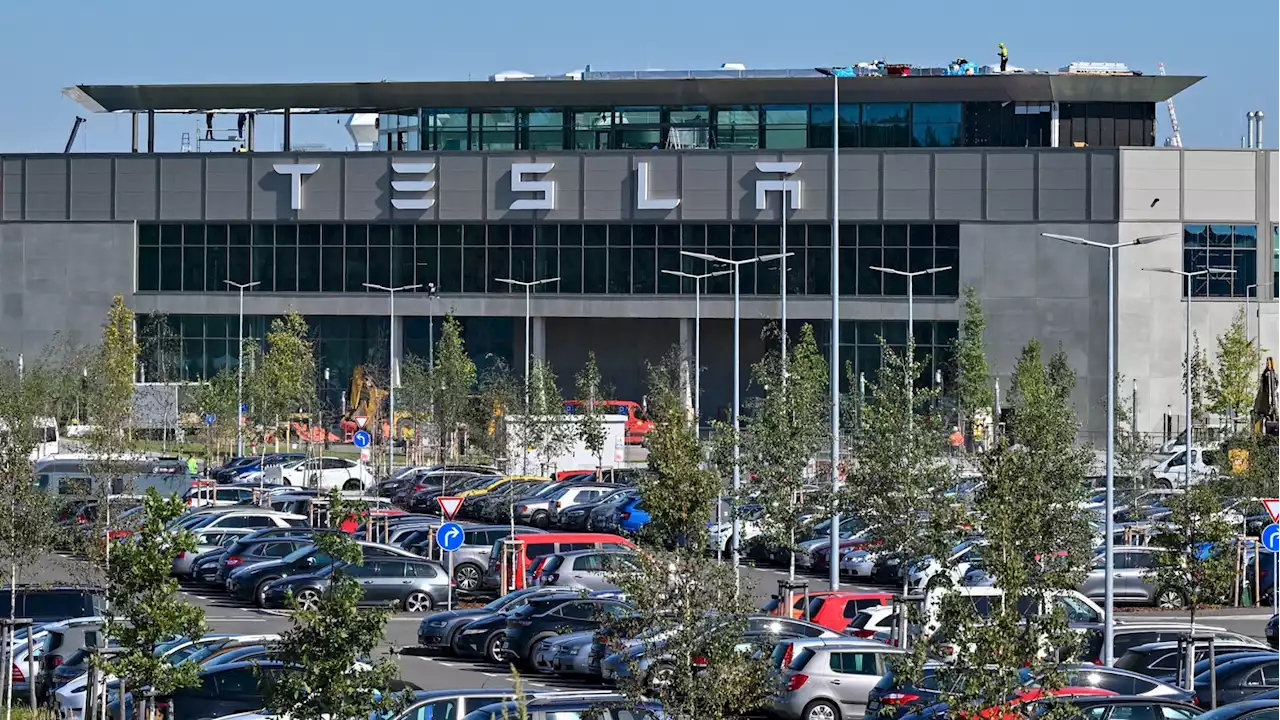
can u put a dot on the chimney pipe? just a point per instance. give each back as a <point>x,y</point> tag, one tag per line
<point>1257,134</point>
<point>1250,116</point>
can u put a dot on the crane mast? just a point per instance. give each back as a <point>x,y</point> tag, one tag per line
<point>1176,133</point>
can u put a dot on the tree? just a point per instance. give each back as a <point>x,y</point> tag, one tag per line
<point>1131,448</point>
<point>216,398</point>
<point>144,608</point>
<point>160,349</point>
<point>1200,376</point>
<point>544,430</point>
<point>325,652</point>
<point>1195,560</point>
<point>783,432</point>
<point>414,395</point>
<point>973,392</point>
<point>591,425</point>
<point>452,379</point>
<point>1231,388</point>
<point>499,394</point>
<point>284,382</point>
<point>111,377</point>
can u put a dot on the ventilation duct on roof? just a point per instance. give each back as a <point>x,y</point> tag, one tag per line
<point>363,128</point>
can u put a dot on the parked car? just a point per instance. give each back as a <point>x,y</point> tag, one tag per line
<point>246,553</point>
<point>45,605</point>
<point>412,584</point>
<point>829,678</point>
<point>536,511</point>
<point>1238,680</point>
<point>585,569</point>
<point>206,541</point>
<point>837,609</point>
<point>472,559</point>
<point>1122,706</point>
<point>1133,583</point>
<point>575,517</point>
<point>438,630</point>
<point>541,618</point>
<point>1131,634</point>
<point>1162,659</point>
<point>249,584</point>
<point>324,473</point>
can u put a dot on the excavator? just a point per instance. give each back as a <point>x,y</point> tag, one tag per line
<point>365,399</point>
<point>1266,414</point>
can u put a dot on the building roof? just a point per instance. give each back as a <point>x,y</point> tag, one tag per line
<point>691,91</point>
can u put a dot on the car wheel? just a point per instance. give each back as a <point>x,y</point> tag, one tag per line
<point>1169,599</point>
<point>308,600</point>
<point>351,484</point>
<point>260,593</point>
<point>660,676</point>
<point>493,647</point>
<point>820,710</point>
<point>540,520</point>
<point>418,602</point>
<point>467,577</point>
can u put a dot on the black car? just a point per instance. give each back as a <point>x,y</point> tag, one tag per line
<point>1161,659</point>
<point>414,585</point>
<point>243,554</point>
<point>46,605</point>
<point>1239,679</point>
<point>575,517</point>
<point>1127,706</point>
<point>542,618</point>
<point>438,630</point>
<point>1265,709</point>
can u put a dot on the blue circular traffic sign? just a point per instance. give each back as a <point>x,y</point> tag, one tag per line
<point>1271,537</point>
<point>210,419</point>
<point>449,536</point>
<point>362,438</point>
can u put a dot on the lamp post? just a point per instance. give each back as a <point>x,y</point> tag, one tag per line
<point>1109,623</point>
<point>911,318</point>
<point>391,369</point>
<point>782,280</point>
<point>1187,359</point>
<point>241,287</point>
<point>1257,304</point>
<point>432,296</point>
<point>737,374</point>
<point>528,347</point>
<point>697,334</point>
<point>835,74</point>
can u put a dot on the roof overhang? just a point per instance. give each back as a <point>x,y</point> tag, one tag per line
<point>335,98</point>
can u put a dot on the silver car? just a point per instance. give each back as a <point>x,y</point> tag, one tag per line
<point>585,569</point>
<point>1132,579</point>
<point>829,678</point>
<point>536,511</point>
<point>567,654</point>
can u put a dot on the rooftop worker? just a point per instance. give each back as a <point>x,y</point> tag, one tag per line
<point>208,126</point>
<point>1004,58</point>
<point>240,121</point>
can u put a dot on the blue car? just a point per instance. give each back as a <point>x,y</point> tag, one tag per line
<point>632,516</point>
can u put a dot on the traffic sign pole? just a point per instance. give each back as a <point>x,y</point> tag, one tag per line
<point>449,602</point>
<point>449,506</point>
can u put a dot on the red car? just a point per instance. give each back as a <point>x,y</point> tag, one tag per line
<point>831,609</point>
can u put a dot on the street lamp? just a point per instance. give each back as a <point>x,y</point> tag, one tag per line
<point>697,333</point>
<point>432,296</point>
<point>1109,623</point>
<point>1257,304</point>
<point>528,348</point>
<point>1187,384</point>
<point>737,371</point>
<point>911,318</point>
<point>835,74</point>
<point>391,369</point>
<point>241,287</point>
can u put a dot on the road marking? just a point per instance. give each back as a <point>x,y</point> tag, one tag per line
<point>198,597</point>
<point>495,675</point>
<point>446,664</point>
<point>236,619</point>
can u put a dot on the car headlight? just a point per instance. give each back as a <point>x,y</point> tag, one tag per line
<point>473,631</point>
<point>436,623</point>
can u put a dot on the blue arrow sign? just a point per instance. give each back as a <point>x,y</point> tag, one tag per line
<point>1271,537</point>
<point>361,438</point>
<point>210,419</point>
<point>244,408</point>
<point>449,536</point>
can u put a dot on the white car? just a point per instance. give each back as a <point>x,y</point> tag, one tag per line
<point>855,563</point>
<point>959,560</point>
<point>324,473</point>
<point>721,534</point>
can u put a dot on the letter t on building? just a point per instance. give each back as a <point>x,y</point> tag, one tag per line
<point>297,170</point>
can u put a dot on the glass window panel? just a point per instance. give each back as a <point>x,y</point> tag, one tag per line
<point>769,282</point>
<point>570,235</point>
<point>595,235</point>
<point>920,236</point>
<point>450,236</point>
<point>895,236</point>
<point>215,234</point>
<point>570,270</point>
<point>379,235</point>
<point>192,269</point>
<point>263,270</point>
<point>817,277</point>
<point>668,235</point>
<point>744,236</point>
<point>867,362</point>
<point>819,126</point>
<point>331,234</point>
<point>947,235</point>
<point>747,273</point>
<point>149,269</point>
<point>818,236</point>
<point>935,112</point>
<point>638,128</point>
<point>498,129</point>
<point>595,264</point>
<point>737,128</point>
<point>547,264</point>
<point>193,234</point>
<point>401,260</point>
<point>885,125</point>
<point>620,235</point>
<point>475,270</point>
<point>170,234</point>
<point>786,126</point>
<point>545,235</point>
<point>239,234</point>
<point>264,234</point>
<point>592,129</point>
<point>522,264</point>
<point>644,267</point>
<point>545,129</point>
<point>717,238</point>
<point>215,269</point>
<point>646,235</point>
<point>193,358</point>
<point>286,269</point>
<point>308,267</point>
<point>447,129</point>
<point>619,270</point>
<point>868,235</point>
<point>331,271</point>
<point>895,333</point>
<point>427,263</point>
<point>1244,236</point>
<point>795,270</point>
<point>308,234</point>
<point>693,237</point>
<point>870,282</point>
<point>380,266</point>
<point>947,282</point>
<point>474,235</point>
<point>239,263</point>
<point>402,234</point>
<point>148,234</point>
<point>357,268</point>
<point>217,355</point>
<point>669,259</point>
<point>895,258</point>
<point>286,234</point>
<point>521,235</point>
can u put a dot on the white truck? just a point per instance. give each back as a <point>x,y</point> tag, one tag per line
<point>569,453</point>
<point>1172,471</point>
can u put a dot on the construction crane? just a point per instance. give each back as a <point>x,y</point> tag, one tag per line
<point>1173,117</point>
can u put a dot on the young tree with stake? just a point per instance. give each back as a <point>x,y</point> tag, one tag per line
<point>1232,388</point>
<point>973,391</point>
<point>590,412</point>
<point>452,377</point>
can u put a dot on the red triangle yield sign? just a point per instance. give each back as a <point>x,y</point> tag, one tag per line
<point>1273,508</point>
<point>449,506</point>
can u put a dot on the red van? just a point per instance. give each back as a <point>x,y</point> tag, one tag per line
<point>538,547</point>
<point>638,424</point>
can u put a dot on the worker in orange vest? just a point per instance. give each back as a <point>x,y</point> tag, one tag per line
<point>957,440</point>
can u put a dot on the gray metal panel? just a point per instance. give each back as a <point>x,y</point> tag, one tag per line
<point>461,188</point>
<point>46,188</point>
<point>368,187</point>
<point>859,185</point>
<point>1219,186</point>
<point>1011,183</point>
<point>957,189</point>
<point>742,188</point>
<point>499,198</point>
<point>604,187</point>
<point>567,175</point>
<point>815,187</point>
<point>11,188</point>
<point>226,188</point>
<point>907,184</point>
<point>269,195</point>
<point>136,197</point>
<point>1063,185</point>
<point>91,184</point>
<point>1103,193</point>
<point>322,198</point>
<point>704,191</point>
<point>1151,184</point>
<point>182,187</point>
<point>664,183</point>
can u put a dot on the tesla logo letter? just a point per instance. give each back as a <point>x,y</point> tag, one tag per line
<point>412,186</point>
<point>297,170</point>
<point>643,201</point>
<point>545,188</point>
<point>786,187</point>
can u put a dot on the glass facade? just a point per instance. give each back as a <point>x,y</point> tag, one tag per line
<point>774,127</point>
<point>860,347</point>
<point>1232,247</point>
<point>613,259</point>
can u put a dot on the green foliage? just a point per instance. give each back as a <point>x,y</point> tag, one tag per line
<point>782,433</point>
<point>160,349</point>
<point>1258,477</point>
<point>499,394</point>
<point>591,426</point>
<point>111,376</point>
<point>691,622</point>
<point>1132,449</point>
<point>285,381</point>
<point>144,608</point>
<point>544,431</point>
<point>1231,388</point>
<point>973,390</point>
<point>324,646</point>
<point>217,396</point>
<point>452,378</point>
<point>1195,559</point>
<point>679,491</point>
<point>1200,378</point>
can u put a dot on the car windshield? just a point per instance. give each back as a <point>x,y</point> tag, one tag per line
<point>293,463</point>
<point>300,553</point>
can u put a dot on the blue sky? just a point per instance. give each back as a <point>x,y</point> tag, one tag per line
<point>55,43</point>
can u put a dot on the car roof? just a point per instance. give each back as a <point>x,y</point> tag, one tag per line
<point>838,643</point>
<point>569,555</point>
<point>1121,699</point>
<point>1174,644</point>
<point>1158,625</point>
